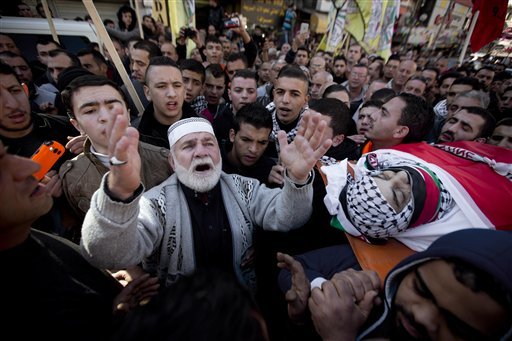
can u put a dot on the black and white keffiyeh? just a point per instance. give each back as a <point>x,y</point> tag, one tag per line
<point>271,107</point>
<point>371,213</point>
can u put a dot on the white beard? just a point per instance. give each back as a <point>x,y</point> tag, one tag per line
<point>198,181</point>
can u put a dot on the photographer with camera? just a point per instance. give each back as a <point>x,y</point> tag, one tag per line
<point>188,32</point>
<point>209,53</point>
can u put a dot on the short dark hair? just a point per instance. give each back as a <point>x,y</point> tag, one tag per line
<point>238,56</point>
<point>489,120</point>
<point>446,75</point>
<point>160,61</point>
<point>293,71</point>
<point>254,114</point>
<point>486,67</point>
<point>339,57</point>
<point>97,56</point>
<point>6,69</point>
<point>334,88</point>
<point>74,59</point>
<point>417,116</point>
<point>212,39</point>
<point>194,66</point>
<point>383,95</point>
<point>44,40</point>
<point>149,46</point>
<point>83,81</point>
<point>507,121</point>
<point>303,48</point>
<point>372,103</point>
<point>10,54</point>
<point>108,21</point>
<point>471,81</point>
<point>247,74</point>
<point>393,57</point>
<point>215,70</point>
<point>336,110</point>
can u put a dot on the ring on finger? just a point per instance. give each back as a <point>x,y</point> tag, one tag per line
<point>114,161</point>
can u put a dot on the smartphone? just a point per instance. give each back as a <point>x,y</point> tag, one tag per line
<point>304,27</point>
<point>232,23</point>
<point>46,156</point>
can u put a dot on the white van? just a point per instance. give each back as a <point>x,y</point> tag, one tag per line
<point>73,35</point>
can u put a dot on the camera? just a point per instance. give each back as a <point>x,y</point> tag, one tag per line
<point>189,32</point>
<point>232,23</point>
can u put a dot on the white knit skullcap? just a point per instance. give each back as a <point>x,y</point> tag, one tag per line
<point>188,126</point>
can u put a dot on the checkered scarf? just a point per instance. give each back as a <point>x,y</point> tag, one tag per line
<point>275,126</point>
<point>371,213</point>
<point>367,208</point>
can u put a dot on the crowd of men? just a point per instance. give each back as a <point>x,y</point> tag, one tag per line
<point>222,171</point>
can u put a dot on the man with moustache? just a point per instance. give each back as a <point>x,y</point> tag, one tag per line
<point>468,124</point>
<point>165,90</point>
<point>23,132</point>
<point>200,217</point>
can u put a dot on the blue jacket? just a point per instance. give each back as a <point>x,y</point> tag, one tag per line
<point>488,250</point>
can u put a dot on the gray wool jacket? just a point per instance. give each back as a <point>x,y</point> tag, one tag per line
<point>155,228</point>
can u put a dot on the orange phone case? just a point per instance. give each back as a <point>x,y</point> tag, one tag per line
<point>46,156</point>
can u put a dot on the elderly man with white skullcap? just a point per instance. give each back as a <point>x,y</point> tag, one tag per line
<point>199,217</point>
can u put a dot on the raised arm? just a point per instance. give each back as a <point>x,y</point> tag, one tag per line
<point>300,156</point>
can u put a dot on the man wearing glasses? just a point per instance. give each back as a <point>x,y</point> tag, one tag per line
<point>357,82</point>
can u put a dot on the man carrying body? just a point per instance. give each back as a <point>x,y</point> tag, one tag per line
<point>199,217</point>
<point>92,103</point>
<point>459,288</point>
<point>502,134</point>
<point>468,124</point>
<point>404,118</point>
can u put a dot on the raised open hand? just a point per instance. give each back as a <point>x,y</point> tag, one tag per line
<point>309,145</point>
<point>123,178</point>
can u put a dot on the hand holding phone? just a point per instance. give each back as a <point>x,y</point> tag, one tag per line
<point>46,156</point>
<point>304,30</point>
